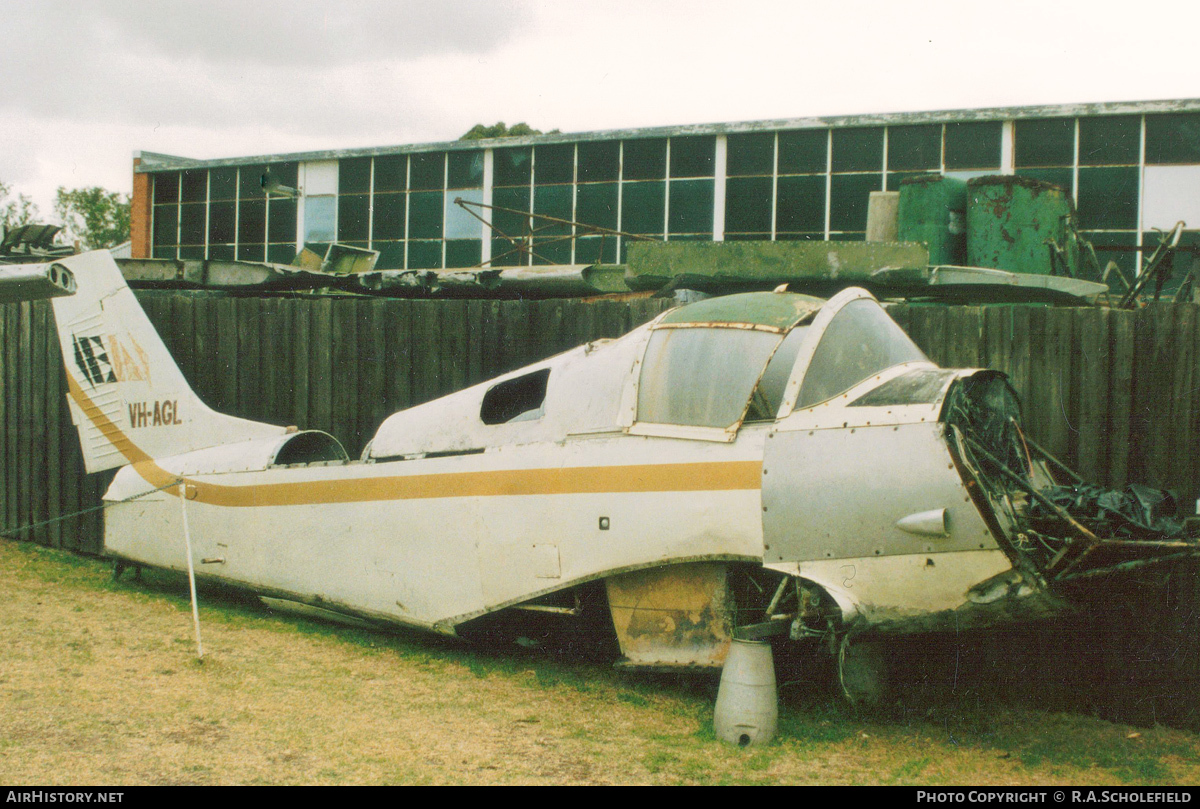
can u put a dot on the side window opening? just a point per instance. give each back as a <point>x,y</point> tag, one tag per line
<point>520,399</point>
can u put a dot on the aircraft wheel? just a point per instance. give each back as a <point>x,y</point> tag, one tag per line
<point>862,668</point>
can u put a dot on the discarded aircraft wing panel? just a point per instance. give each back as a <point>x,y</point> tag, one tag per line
<point>29,282</point>
<point>758,465</point>
<point>122,381</point>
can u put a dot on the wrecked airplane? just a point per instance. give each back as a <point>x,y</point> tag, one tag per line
<point>760,465</point>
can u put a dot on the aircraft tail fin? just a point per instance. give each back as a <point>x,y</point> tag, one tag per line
<point>128,398</point>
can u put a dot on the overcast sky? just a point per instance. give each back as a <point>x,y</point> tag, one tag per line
<point>84,84</point>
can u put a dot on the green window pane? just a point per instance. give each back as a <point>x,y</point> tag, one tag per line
<point>803,151</point>
<point>645,159</point>
<point>1177,264</point>
<point>252,221</point>
<point>288,173</point>
<point>693,156</point>
<point>596,250</point>
<point>166,223</point>
<point>599,161</point>
<point>194,252</point>
<point>391,173</point>
<point>390,210</point>
<point>643,206</point>
<point>848,198</point>
<point>1109,139</point>
<point>1108,197</point>
<point>353,217</point>
<point>425,212</point>
<point>195,185</point>
<point>554,164</point>
<point>427,171</point>
<point>896,178</point>
<point>691,209</point>
<point>1173,138</point>
<point>250,182</point>
<point>281,221</point>
<point>750,154</point>
<point>168,251</point>
<point>597,205</point>
<point>552,200</point>
<point>391,255</point>
<point>1044,142</point>
<point>424,255</point>
<point>222,185</point>
<point>463,252</point>
<point>191,223</point>
<point>464,169</point>
<point>354,175</point>
<point>514,199</point>
<point>1126,259</point>
<point>1063,178</point>
<point>166,187</point>
<point>748,205</point>
<point>800,206</point>
<point>552,251</point>
<point>221,219</point>
<point>801,237</point>
<point>506,254</point>
<point>973,145</point>
<point>858,149</point>
<point>512,166</point>
<point>220,252</point>
<point>915,147</point>
<point>281,253</point>
<point>251,252</point>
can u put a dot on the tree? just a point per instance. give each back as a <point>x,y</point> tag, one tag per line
<point>499,130</point>
<point>16,212</point>
<point>96,218</point>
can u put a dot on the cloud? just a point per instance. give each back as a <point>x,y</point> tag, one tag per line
<point>218,61</point>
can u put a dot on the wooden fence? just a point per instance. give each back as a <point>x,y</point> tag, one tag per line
<point>1113,394</point>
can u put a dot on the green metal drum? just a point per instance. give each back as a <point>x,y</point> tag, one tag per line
<point>1013,223</point>
<point>933,210</point>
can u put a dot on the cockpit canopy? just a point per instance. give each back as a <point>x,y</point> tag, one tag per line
<point>699,371</point>
<point>757,356</point>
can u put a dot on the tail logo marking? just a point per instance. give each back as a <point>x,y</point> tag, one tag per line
<point>92,360</point>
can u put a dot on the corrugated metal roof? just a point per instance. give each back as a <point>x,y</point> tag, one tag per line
<point>151,161</point>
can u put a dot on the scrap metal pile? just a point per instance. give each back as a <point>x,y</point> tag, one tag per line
<point>1061,530</point>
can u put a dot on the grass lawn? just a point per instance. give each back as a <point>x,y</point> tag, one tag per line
<point>99,684</point>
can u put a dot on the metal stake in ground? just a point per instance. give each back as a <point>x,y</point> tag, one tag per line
<point>187,543</point>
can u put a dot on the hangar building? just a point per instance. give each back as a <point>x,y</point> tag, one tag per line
<point>1130,168</point>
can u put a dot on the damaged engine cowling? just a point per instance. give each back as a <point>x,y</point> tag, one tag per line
<point>1048,518</point>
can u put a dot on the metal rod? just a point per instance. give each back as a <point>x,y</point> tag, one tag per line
<point>187,543</point>
<point>777,597</point>
<point>1041,498</point>
<point>463,203</point>
<point>1048,457</point>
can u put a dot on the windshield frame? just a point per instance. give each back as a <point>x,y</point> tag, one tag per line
<point>812,340</point>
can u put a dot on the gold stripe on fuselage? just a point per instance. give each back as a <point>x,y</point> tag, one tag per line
<point>670,477</point>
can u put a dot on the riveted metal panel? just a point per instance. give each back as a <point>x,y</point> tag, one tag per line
<point>838,493</point>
